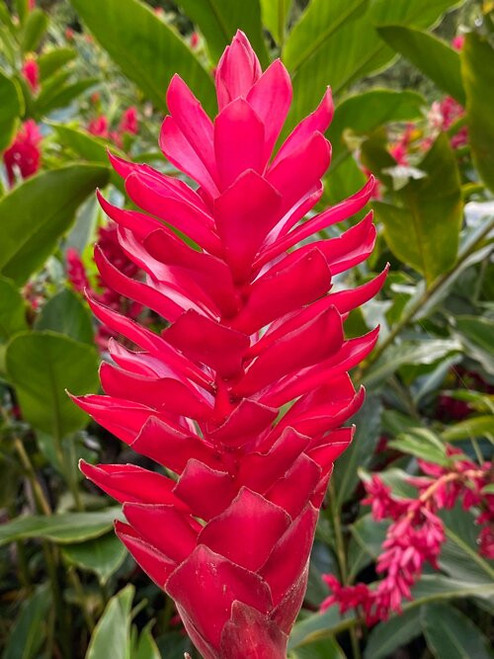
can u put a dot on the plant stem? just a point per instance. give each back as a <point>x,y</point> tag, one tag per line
<point>421,301</point>
<point>39,495</point>
<point>341,556</point>
<point>76,582</point>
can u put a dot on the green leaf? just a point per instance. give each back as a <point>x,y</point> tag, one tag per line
<point>85,145</point>
<point>34,28</point>
<point>103,555</point>
<point>42,366</point>
<point>424,231</point>
<point>368,422</point>
<point>365,544</point>
<point>51,61</point>
<point>427,351</point>
<point>422,443</point>
<point>65,528</point>
<point>67,314</point>
<point>460,556</point>
<point>111,636</point>
<point>363,113</point>
<point>29,630</point>
<point>146,646</point>
<point>386,637</point>
<point>451,635</point>
<point>11,107</point>
<point>478,78</point>
<point>37,212</point>
<point>60,96</point>
<point>12,310</point>
<point>147,50</point>
<point>218,20</point>
<point>478,329</point>
<point>325,649</point>
<point>322,48</point>
<point>477,426</point>
<point>432,56</point>
<point>275,15</point>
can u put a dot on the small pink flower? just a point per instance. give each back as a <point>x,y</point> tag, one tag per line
<point>129,121</point>
<point>194,40</point>
<point>30,73</point>
<point>76,271</point>
<point>458,42</point>
<point>99,127</point>
<point>23,157</point>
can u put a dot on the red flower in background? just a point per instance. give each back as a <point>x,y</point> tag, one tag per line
<point>23,157</point>
<point>30,73</point>
<point>99,127</point>
<point>129,123</point>
<point>77,275</point>
<point>252,328</point>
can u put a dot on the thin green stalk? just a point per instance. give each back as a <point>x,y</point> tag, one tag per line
<point>421,301</point>
<point>341,556</point>
<point>49,553</point>
<point>76,582</point>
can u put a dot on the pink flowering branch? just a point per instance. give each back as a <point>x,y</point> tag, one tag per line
<point>244,396</point>
<point>416,535</point>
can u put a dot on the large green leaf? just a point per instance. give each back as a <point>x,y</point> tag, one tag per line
<point>368,422</point>
<point>460,556</point>
<point>335,43</point>
<point>427,351</point>
<point>451,635</point>
<point>476,426</point>
<point>362,113</point>
<point>11,107</point>
<point>33,29</point>
<point>65,528</point>
<point>396,632</point>
<point>37,212</point>
<point>103,555</point>
<point>29,630</point>
<point>67,314</point>
<point>50,62</point>
<point>435,58</point>
<point>12,310</point>
<point>424,231</point>
<point>218,20</point>
<point>42,366</point>
<point>275,14</point>
<point>365,544</point>
<point>147,50</point>
<point>111,636</point>
<point>478,78</point>
<point>324,649</point>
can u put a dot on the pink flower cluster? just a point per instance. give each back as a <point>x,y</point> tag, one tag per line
<point>129,125</point>
<point>77,275</point>
<point>416,534</point>
<point>23,157</point>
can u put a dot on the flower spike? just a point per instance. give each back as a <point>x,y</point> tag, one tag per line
<point>248,328</point>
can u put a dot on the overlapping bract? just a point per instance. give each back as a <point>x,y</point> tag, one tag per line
<point>252,328</point>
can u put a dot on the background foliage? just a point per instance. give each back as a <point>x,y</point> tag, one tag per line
<point>410,107</point>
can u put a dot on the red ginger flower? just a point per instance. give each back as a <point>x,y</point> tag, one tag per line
<point>251,329</point>
<point>24,155</point>
<point>30,73</point>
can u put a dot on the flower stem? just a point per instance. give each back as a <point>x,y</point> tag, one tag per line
<point>341,556</point>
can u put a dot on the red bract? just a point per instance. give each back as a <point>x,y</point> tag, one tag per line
<point>252,329</point>
<point>30,73</point>
<point>23,157</point>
